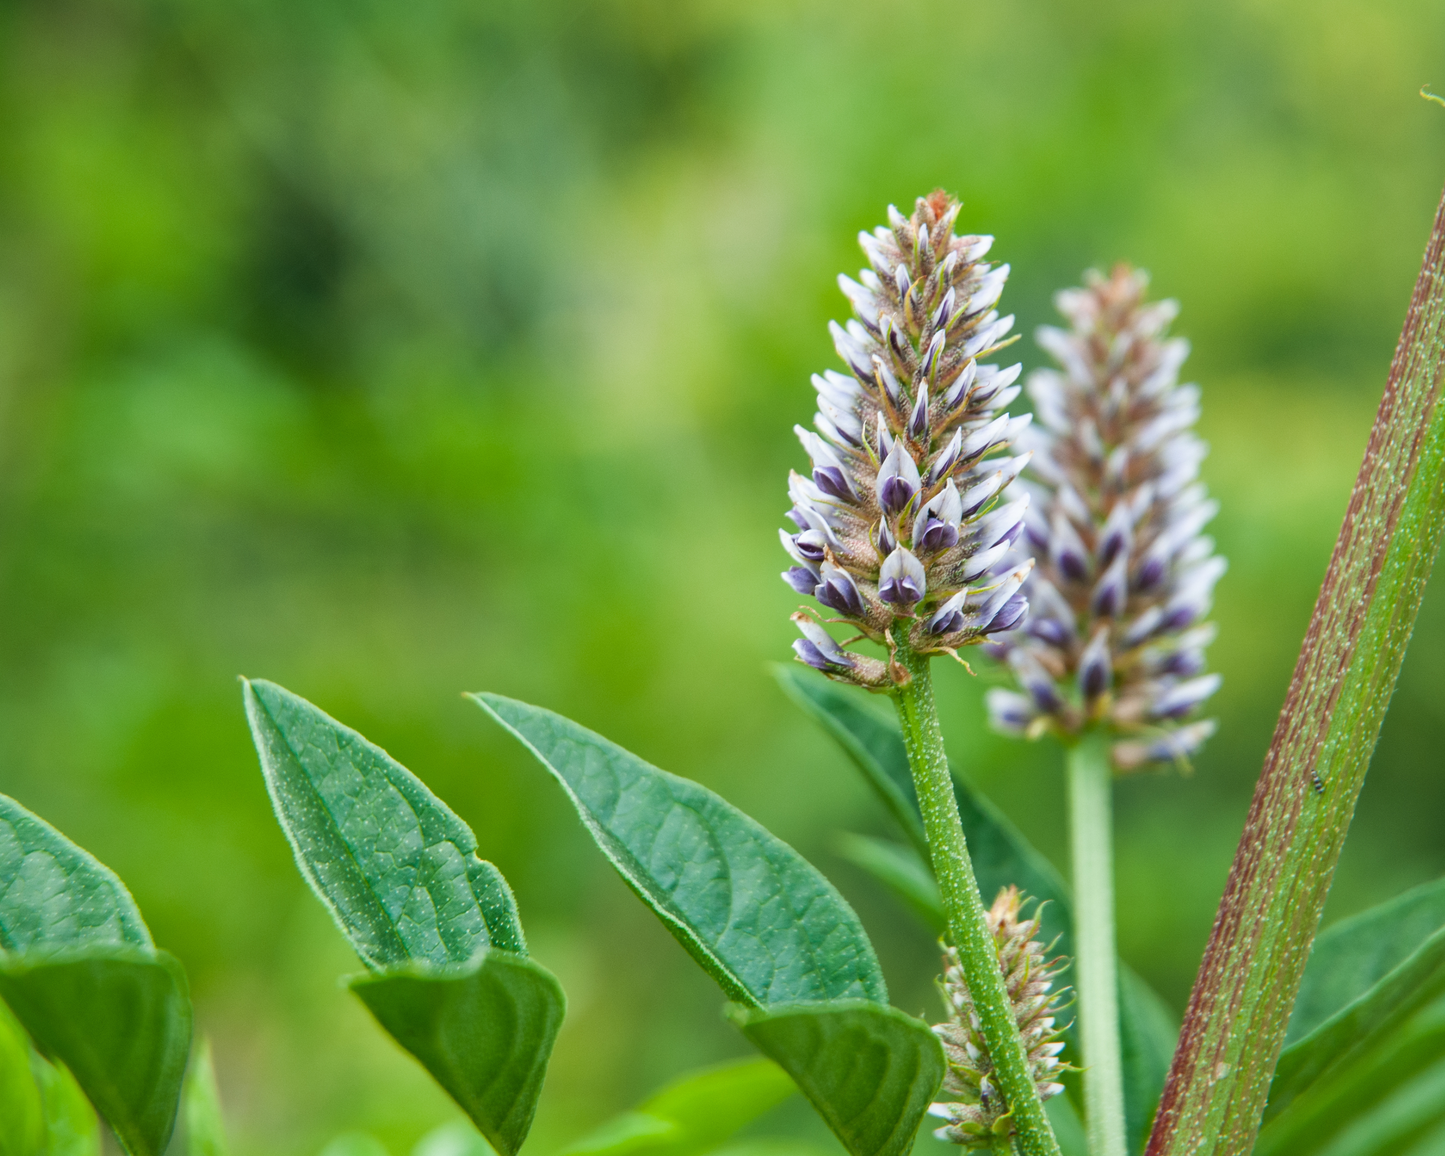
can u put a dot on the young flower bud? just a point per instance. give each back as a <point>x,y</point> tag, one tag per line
<point>1125,574</point>
<point>975,1112</point>
<point>904,523</point>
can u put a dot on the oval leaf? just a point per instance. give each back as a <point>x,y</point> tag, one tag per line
<point>53,894</point>
<point>484,1032</point>
<point>395,866</point>
<point>692,1115</point>
<point>120,1019</point>
<point>756,915</point>
<point>870,1071</point>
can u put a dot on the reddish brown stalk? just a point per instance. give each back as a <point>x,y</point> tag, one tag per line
<point>1234,1027</point>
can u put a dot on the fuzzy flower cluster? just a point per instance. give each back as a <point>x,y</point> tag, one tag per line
<point>1125,575</point>
<point>902,528</point>
<point>974,1108</point>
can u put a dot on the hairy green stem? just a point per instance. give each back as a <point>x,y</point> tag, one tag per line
<point>1096,969</point>
<point>1241,1003</point>
<point>963,907</point>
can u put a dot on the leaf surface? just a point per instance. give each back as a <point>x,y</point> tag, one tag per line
<point>870,1071</point>
<point>749,909</point>
<point>119,1018</point>
<point>1373,971</point>
<point>484,1031</point>
<point>54,894</point>
<point>1148,1034</point>
<point>395,866</point>
<point>1370,1102</point>
<point>692,1115</point>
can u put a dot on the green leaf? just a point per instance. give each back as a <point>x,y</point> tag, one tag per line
<point>1358,1087</point>
<point>71,1126</point>
<point>692,1115</point>
<point>119,1018</point>
<point>205,1127</point>
<point>22,1110</point>
<point>53,894</point>
<point>484,1031</point>
<point>396,868</point>
<point>758,917</point>
<point>870,1071</point>
<point>899,868</point>
<point>1001,856</point>
<point>1364,976</point>
<point>1068,1128</point>
<point>1148,1034</point>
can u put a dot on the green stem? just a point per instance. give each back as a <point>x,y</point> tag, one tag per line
<point>1096,971</point>
<point>963,908</point>
<point>1235,1025</point>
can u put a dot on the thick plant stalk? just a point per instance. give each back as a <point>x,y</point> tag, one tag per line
<point>1096,971</point>
<point>963,907</point>
<point>1235,1024</point>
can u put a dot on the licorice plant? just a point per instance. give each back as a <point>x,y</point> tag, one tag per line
<point>931,520</point>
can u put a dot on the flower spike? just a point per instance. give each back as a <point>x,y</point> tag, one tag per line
<point>975,1113</point>
<point>1124,571</point>
<point>904,526</point>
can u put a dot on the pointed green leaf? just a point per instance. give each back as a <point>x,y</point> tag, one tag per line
<point>119,1018</point>
<point>22,1110</point>
<point>394,865</point>
<point>71,1126</point>
<point>53,894</point>
<point>870,1071</point>
<point>692,1115</point>
<point>205,1128</point>
<point>758,917</point>
<point>484,1031</point>
<point>1383,964</point>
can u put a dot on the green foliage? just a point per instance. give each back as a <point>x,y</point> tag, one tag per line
<point>694,1114</point>
<point>53,893</point>
<point>400,875</point>
<point>22,1111</point>
<point>71,1126</point>
<point>80,973</point>
<point>455,1139</point>
<point>749,909</point>
<point>870,1071</point>
<point>1369,1023</point>
<point>355,1144</point>
<point>119,1018</point>
<point>205,1127</point>
<point>484,1031</point>
<point>396,868</point>
<point>1001,856</point>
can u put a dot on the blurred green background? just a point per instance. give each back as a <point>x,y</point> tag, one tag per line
<point>395,350</point>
